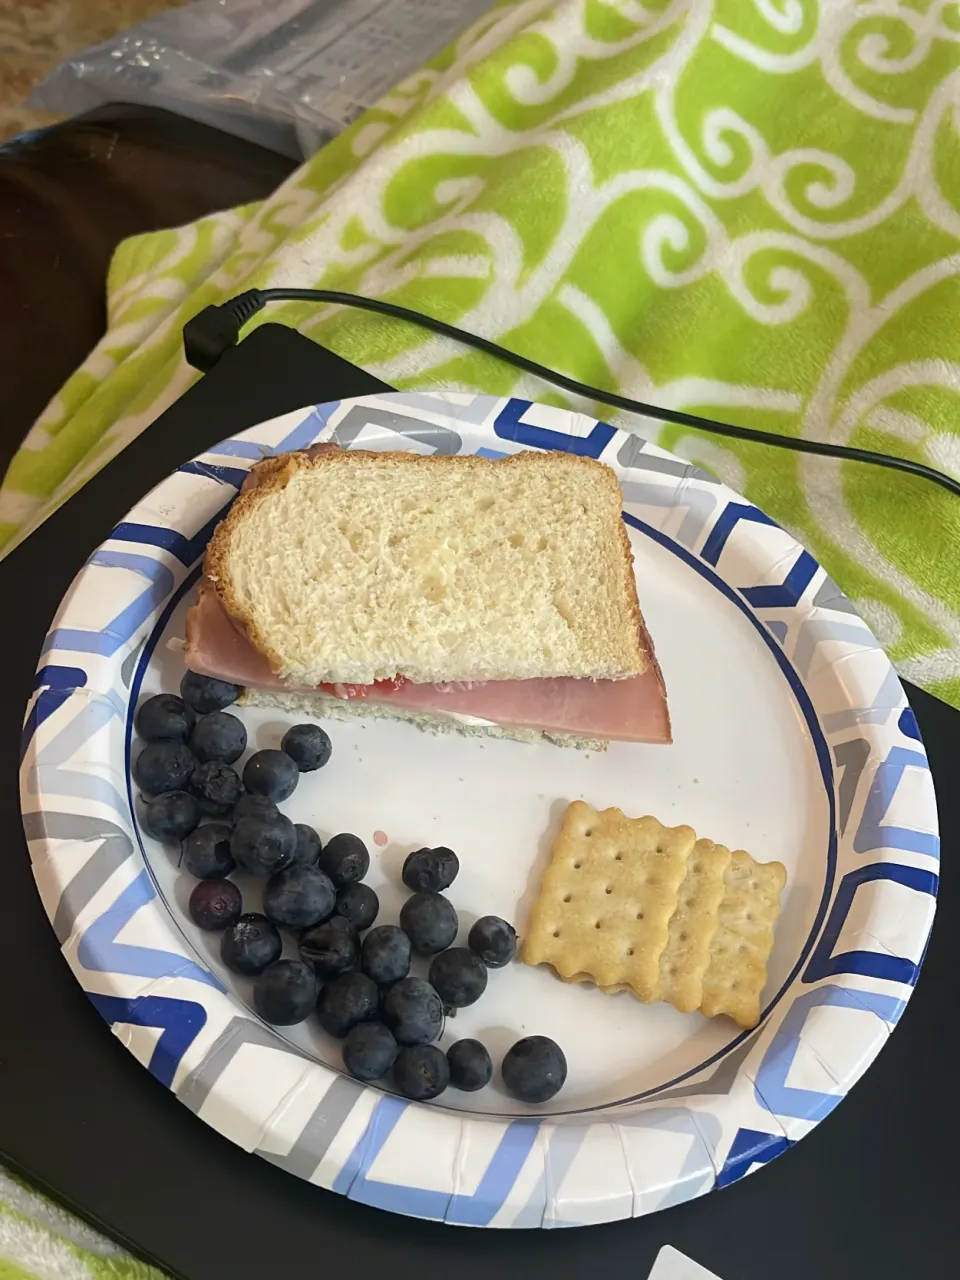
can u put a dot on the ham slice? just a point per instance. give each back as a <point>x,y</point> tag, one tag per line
<point>631,710</point>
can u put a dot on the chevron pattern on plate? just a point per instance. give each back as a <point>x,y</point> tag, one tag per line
<point>764,1093</point>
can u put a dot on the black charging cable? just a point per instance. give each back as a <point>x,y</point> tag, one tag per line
<point>215,328</point>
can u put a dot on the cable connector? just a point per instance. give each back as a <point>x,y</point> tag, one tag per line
<point>208,334</point>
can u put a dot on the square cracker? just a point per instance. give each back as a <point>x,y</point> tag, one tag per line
<point>741,946</point>
<point>607,897</point>
<point>692,926</point>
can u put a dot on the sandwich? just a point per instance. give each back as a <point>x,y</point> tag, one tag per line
<point>486,596</point>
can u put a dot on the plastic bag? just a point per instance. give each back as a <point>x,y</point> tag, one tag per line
<point>287,74</point>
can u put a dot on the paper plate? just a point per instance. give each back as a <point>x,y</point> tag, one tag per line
<point>793,739</point>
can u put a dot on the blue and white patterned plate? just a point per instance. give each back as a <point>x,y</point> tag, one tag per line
<point>793,740</point>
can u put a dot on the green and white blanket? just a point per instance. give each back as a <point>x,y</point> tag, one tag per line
<point>39,1241</point>
<point>747,208</point>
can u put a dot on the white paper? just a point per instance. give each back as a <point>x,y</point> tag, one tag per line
<point>671,1264</point>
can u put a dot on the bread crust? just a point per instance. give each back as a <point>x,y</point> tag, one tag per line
<point>275,473</point>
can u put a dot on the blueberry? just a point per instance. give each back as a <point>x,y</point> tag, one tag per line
<point>308,845</point>
<point>458,976</point>
<point>345,1002</point>
<point>298,897</point>
<point>413,1012</point>
<point>369,1051</point>
<point>217,788</point>
<point>534,1069</point>
<point>250,806</point>
<point>272,774</point>
<point>470,1065</point>
<point>308,746</point>
<point>163,766</point>
<point>385,954</point>
<point>263,845</point>
<point>345,859</point>
<point>429,921</point>
<point>250,945</point>
<point>218,736</point>
<point>494,941</point>
<point>204,694</point>
<point>215,904</point>
<point>164,718</point>
<point>171,816</point>
<point>206,852</point>
<point>359,904</point>
<point>431,869</point>
<point>421,1072</point>
<point>285,993</point>
<point>331,948</point>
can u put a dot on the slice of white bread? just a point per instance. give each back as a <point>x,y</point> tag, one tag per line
<point>352,567</point>
<point>324,706</point>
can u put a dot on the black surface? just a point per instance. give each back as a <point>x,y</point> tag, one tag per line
<point>871,1192</point>
<point>69,195</point>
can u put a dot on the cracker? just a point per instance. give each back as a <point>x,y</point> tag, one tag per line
<point>607,897</point>
<point>692,926</point>
<point>741,946</point>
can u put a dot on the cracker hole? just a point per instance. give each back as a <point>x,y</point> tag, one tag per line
<point>659,848</point>
<point>742,948</point>
<point>734,986</point>
<point>576,866</point>
<point>566,897</point>
<point>589,831</point>
<point>749,917</point>
<point>753,884</point>
<point>609,889</point>
<point>556,933</point>
<point>683,937</point>
<point>695,868</point>
<point>639,915</point>
<point>597,924</point>
<point>689,903</point>
<point>618,857</point>
<point>629,951</point>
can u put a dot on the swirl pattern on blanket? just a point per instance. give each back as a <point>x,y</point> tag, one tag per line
<point>746,208</point>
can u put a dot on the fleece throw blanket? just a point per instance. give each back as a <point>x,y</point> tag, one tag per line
<point>747,208</point>
<point>39,1241</point>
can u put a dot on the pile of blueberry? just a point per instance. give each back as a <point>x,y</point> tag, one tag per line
<point>360,989</point>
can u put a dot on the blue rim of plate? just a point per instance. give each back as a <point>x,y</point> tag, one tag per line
<point>705,1129</point>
